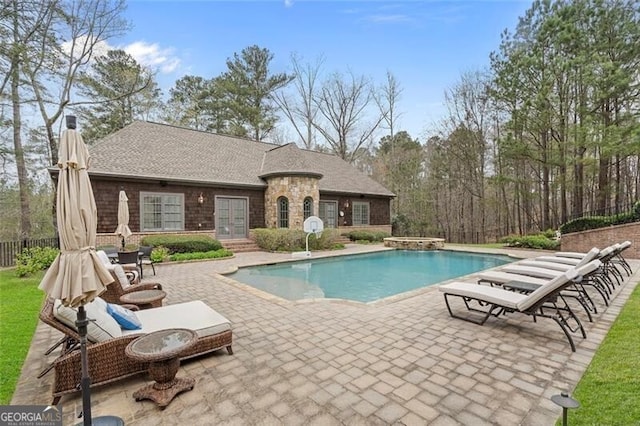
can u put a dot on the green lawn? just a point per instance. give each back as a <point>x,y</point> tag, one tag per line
<point>20,302</point>
<point>609,392</point>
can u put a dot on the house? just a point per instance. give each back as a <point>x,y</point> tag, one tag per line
<point>183,180</point>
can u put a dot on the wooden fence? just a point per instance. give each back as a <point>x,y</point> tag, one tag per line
<point>9,249</point>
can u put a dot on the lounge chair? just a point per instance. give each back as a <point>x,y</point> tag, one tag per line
<point>540,268</point>
<point>107,360</point>
<point>539,262</point>
<point>543,302</point>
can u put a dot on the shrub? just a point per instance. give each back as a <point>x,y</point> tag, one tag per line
<point>183,243</point>
<point>595,222</point>
<point>369,236</point>
<point>213,254</point>
<point>34,259</point>
<point>159,254</point>
<point>539,241</point>
<point>278,239</point>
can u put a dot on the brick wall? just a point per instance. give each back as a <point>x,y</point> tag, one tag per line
<point>601,238</point>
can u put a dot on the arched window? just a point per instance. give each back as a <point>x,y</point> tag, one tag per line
<point>283,212</point>
<point>307,207</point>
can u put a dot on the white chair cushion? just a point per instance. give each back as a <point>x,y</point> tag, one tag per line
<point>121,276</point>
<point>103,257</point>
<point>195,315</point>
<point>496,295</point>
<point>101,325</point>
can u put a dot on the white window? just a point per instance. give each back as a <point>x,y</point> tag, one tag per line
<point>360,213</point>
<point>161,211</point>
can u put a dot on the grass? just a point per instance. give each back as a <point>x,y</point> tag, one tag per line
<point>20,302</point>
<point>609,392</point>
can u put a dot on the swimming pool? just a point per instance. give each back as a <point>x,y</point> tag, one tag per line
<point>364,277</point>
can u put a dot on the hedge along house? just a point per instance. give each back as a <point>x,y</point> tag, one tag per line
<point>180,180</point>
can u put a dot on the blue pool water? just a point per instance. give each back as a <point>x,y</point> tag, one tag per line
<point>364,277</point>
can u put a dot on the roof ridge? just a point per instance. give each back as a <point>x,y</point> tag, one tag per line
<point>203,131</point>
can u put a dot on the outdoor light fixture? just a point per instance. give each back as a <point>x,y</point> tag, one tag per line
<point>346,204</point>
<point>566,402</point>
<point>201,199</point>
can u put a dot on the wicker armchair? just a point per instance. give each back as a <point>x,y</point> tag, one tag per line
<point>107,360</point>
<point>116,289</point>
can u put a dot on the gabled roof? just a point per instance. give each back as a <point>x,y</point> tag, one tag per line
<point>162,152</point>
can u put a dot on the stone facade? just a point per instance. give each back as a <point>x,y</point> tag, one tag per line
<point>295,189</point>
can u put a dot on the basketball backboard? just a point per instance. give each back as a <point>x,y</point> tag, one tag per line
<point>313,224</point>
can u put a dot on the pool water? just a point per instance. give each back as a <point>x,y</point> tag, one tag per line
<point>364,277</point>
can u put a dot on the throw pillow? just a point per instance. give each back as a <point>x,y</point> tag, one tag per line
<point>125,317</point>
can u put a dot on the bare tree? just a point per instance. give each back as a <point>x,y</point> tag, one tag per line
<point>345,103</point>
<point>83,25</point>
<point>387,98</point>
<point>300,109</point>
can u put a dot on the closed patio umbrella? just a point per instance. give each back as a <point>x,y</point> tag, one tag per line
<point>123,230</point>
<point>77,275</point>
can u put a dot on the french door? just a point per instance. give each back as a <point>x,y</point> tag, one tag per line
<point>231,218</point>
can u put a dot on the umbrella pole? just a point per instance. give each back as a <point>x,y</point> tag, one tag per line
<point>81,323</point>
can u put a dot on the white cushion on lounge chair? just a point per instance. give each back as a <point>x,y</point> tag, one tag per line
<point>531,271</point>
<point>497,295</point>
<point>505,277</point>
<point>548,265</point>
<point>594,253</point>
<point>194,315</point>
<point>101,325</point>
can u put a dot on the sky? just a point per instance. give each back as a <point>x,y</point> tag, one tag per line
<point>427,45</point>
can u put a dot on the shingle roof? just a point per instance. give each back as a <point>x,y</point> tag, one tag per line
<point>159,151</point>
<point>287,159</point>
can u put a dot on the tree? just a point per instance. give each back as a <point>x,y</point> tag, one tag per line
<point>44,43</point>
<point>197,103</point>
<point>387,98</point>
<point>248,87</point>
<point>344,104</point>
<point>120,91</point>
<point>299,107</point>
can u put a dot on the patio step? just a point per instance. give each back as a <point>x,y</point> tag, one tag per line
<point>240,246</point>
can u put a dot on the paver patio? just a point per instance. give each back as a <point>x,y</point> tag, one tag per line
<point>402,360</point>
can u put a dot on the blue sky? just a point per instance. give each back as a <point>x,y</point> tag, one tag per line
<point>427,45</point>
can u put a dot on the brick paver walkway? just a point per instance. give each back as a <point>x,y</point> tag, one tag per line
<point>325,362</point>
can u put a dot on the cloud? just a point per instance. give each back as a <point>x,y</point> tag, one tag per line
<point>288,3</point>
<point>153,56</point>
<point>150,55</point>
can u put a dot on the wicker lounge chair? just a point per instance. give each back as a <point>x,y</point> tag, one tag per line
<point>107,360</point>
<point>547,301</point>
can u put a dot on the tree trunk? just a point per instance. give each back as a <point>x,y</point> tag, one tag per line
<point>23,182</point>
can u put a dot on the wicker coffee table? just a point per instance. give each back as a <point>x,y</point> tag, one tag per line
<point>162,349</point>
<point>144,298</point>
